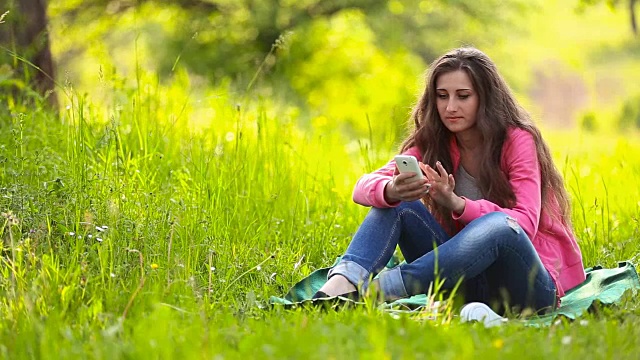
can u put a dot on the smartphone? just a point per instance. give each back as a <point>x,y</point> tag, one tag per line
<point>408,163</point>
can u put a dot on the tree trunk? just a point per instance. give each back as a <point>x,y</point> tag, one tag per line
<point>25,33</point>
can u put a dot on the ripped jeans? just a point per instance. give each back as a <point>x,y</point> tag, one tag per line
<point>492,257</point>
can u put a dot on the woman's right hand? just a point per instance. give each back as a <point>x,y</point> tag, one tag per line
<point>404,187</point>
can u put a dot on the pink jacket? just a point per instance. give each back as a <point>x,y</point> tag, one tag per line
<point>553,240</point>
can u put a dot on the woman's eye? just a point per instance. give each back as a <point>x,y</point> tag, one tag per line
<point>463,96</point>
<point>442,96</point>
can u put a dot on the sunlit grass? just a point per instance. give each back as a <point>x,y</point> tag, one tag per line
<point>135,234</point>
<point>154,217</point>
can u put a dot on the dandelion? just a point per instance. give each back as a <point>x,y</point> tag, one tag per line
<point>112,275</point>
<point>258,267</point>
<point>99,229</point>
<point>98,239</point>
<point>498,343</point>
<point>584,322</point>
<point>212,268</point>
<point>566,340</point>
<point>71,233</point>
<point>154,266</point>
<point>230,136</point>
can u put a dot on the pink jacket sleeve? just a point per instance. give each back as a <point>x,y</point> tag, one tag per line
<point>520,162</point>
<point>369,190</point>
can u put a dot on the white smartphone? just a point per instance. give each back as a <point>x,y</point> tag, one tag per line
<point>408,163</point>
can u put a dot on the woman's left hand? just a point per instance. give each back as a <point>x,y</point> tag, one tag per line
<point>442,186</point>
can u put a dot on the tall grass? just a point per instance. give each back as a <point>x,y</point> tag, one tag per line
<point>129,232</point>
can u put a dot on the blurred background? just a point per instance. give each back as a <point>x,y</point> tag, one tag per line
<point>350,65</point>
<point>210,135</point>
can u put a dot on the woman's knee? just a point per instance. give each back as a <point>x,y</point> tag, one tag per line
<point>502,224</point>
<point>403,207</point>
<point>414,207</point>
<point>411,205</point>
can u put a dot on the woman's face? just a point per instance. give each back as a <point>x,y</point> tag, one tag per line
<point>457,101</point>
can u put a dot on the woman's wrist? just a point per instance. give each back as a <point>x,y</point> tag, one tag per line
<point>388,197</point>
<point>457,204</point>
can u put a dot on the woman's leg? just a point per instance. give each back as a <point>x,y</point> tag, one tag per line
<point>410,225</point>
<point>512,286</point>
<point>494,247</point>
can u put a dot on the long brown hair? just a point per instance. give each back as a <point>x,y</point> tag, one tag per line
<point>497,111</point>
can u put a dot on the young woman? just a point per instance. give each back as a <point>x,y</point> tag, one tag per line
<point>491,211</point>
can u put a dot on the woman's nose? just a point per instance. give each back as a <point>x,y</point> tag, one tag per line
<point>452,106</point>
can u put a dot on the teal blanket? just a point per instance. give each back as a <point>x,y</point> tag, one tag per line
<point>605,286</point>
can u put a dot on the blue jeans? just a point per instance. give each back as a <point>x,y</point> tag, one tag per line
<point>492,257</point>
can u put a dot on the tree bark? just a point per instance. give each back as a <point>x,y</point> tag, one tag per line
<point>27,36</point>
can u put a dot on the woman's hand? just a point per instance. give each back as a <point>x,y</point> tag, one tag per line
<point>442,185</point>
<point>404,187</point>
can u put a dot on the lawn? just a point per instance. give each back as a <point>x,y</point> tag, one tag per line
<point>129,232</point>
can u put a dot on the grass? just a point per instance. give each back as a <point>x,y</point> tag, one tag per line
<point>130,234</point>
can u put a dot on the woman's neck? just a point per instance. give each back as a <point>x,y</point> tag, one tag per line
<point>469,140</point>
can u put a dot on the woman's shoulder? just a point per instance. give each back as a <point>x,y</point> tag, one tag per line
<point>518,138</point>
<point>519,142</point>
<point>515,133</point>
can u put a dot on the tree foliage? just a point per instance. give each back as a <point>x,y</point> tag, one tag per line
<point>613,4</point>
<point>217,38</point>
<point>345,63</point>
